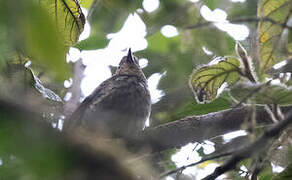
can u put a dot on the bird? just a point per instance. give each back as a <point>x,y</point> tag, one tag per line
<point>119,105</point>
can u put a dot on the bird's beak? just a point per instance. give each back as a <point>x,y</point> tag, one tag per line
<point>130,56</point>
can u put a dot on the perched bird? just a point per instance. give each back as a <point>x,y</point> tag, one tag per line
<point>121,104</point>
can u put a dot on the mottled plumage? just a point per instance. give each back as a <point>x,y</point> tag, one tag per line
<point>121,104</point>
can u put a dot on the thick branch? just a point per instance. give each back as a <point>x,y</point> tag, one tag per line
<point>253,149</point>
<point>27,136</point>
<point>199,128</point>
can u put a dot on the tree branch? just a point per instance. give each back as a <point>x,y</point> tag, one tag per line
<point>28,127</point>
<point>253,149</point>
<point>196,163</point>
<point>74,101</point>
<point>197,128</point>
<point>26,135</point>
<point>241,20</point>
<point>226,150</point>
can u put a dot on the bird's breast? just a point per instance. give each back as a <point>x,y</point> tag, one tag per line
<point>131,96</point>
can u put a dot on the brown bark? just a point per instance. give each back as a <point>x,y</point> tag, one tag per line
<point>199,128</point>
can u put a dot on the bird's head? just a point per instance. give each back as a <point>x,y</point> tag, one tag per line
<point>129,65</point>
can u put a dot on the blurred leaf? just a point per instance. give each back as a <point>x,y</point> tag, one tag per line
<point>270,33</point>
<point>27,149</point>
<point>281,156</point>
<point>211,38</point>
<point>239,9</point>
<point>47,50</point>
<point>16,79</point>
<point>159,43</point>
<point>91,43</point>
<point>211,4</point>
<point>167,162</point>
<point>182,13</point>
<point>44,31</point>
<point>206,80</point>
<point>23,82</point>
<point>194,108</point>
<point>285,175</point>
<point>262,94</point>
<point>266,173</point>
<point>86,3</point>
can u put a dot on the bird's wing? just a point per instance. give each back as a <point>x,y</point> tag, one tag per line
<point>99,94</point>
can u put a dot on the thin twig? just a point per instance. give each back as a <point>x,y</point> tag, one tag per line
<point>251,93</point>
<point>196,163</point>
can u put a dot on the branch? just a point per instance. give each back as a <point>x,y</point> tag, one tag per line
<point>226,150</point>
<point>74,101</point>
<point>198,128</point>
<point>241,20</point>
<point>26,135</point>
<point>196,163</point>
<point>253,149</point>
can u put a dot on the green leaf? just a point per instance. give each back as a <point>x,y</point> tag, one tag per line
<point>43,31</point>
<point>159,43</point>
<point>262,94</point>
<point>270,33</point>
<point>51,27</point>
<point>68,17</point>
<point>266,173</point>
<point>211,38</point>
<point>287,173</point>
<point>206,80</point>
<point>86,3</point>
<point>92,42</point>
<point>194,108</point>
<point>46,51</point>
<point>211,4</point>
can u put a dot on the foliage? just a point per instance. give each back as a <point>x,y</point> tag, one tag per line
<point>41,33</point>
<point>262,94</point>
<point>207,80</point>
<point>271,35</point>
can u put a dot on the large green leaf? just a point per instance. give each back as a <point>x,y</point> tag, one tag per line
<point>269,33</point>
<point>206,80</point>
<point>262,94</point>
<point>44,30</point>
<point>68,17</point>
